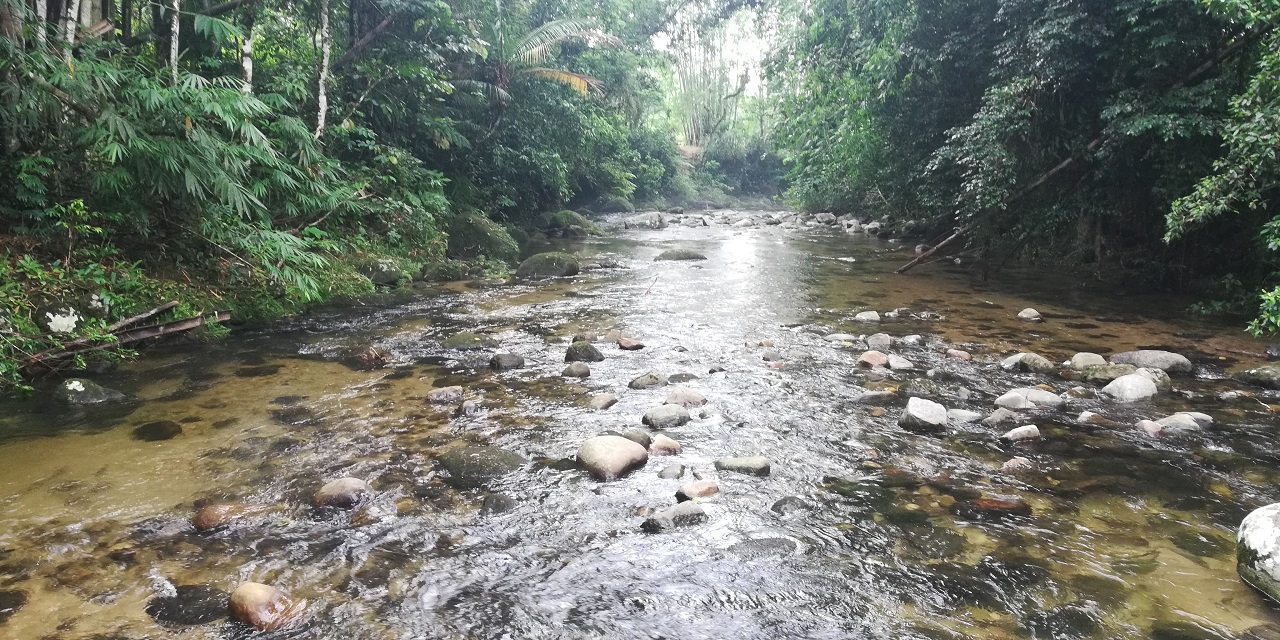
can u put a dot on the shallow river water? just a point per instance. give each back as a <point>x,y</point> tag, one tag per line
<point>1129,536</point>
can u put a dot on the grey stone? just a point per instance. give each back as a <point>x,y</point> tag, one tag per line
<point>679,254</point>
<point>652,220</point>
<point>867,316</point>
<point>474,466</point>
<point>686,397</point>
<point>603,401</point>
<point>1258,550</point>
<point>899,363</point>
<point>648,380</point>
<point>1171,362</point>
<point>923,416</point>
<point>1158,376</point>
<point>548,265</point>
<point>681,515</point>
<point>445,395</point>
<point>576,370</point>
<point>1029,398</point>
<point>467,341</point>
<point>963,416</point>
<point>664,446</point>
<point>506,361</point>
<point>750,465</point>
<point>638,436</point>
<point>1267,376</point>
<point>672,472</point>
<point>1029,315</point>
<point>1130,388</point>
<point>583,352</point>
<point>1085,359</point>
<point>1026,432</point>
<point>1032,362</point>
<point>879,342</point>
<point>999,417</point>
<point>697,489</point>
<point>1102,373</point>
<point>666,416</point>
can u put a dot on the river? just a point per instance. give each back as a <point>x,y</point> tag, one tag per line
<point>854,533</point>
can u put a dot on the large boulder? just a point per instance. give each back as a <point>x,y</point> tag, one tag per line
<point>1258,550</point>
<point>651,220</point>
<point>609,457</point>
<point>1032,362</point>
<point>81,391</point>
<point>384,272</point>
<point>616,204</point>
<point>1155,359</point>
<point>264,607</point>
<point>923,415</point>
<point>475,466</point>
<point>1130,388</point>
<point>553,264</point>
<point>472,235</point>
<point>666,416</point>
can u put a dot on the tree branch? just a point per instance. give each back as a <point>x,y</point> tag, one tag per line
<point>359,46</point>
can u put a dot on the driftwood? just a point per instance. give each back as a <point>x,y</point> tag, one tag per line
<point>123,336</point>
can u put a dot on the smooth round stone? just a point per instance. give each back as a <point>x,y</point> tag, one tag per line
<point>1085,359</point>
<point>664,446</point>
<point>1130,388</point>
<point>872,360</point>
<point>923,415</point>
<point>697,489</point>
<point>648,381</point>
<point>867,316</point>
<point>684,397</point>
<point>1155,359</point>
<point>666,416</point>
<point>342,493</point>
<point>264,607</point>
<point>1029,315</point>
<point>630,344</point>
<point>609,457</point>
<point>576,370</point>
<point>1258,550</point>
<point>222,514</point>
<point>475,466</point>
<point>506,362</point>
<point>750,465</point>
<point>1025,432</point>
<point>603,401</point>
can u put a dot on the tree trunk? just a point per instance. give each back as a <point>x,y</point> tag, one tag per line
<point>246,52</point>
<point>70,13</point>
<point>173,40</point>
<point>126,20</point>
<point>10,24</point>
<point>322,94</point>
<point>42,12</point>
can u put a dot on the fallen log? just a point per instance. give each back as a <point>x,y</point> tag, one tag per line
<point>85,345</point>
<point>923,256</point>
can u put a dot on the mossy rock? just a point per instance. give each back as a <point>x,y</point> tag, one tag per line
<point>472,235</point>
<point>567,220</point>
<point>467,341</point>
<point>475,466</point>
<point>617,204</point>
<point>552,264</point>
<point>680,254</point>
<point>384,272</point>
<point>1267,375</point>
<point>445,270</point>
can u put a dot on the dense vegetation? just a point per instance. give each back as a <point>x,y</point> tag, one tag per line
<point>1137,135</point>
<point>259,155</point>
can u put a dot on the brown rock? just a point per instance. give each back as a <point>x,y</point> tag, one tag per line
<point>661,445</point>
<point>959,355</point>
<point>630,344</point>
<point>224,513</point>
<point>697,489</point>
<point>264,608</point>
<point>992,508</point>
<point>872,360</point>
<point>342,493</point>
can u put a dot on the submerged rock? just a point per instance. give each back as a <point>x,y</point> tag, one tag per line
<point>552,264</point>
<point>682,515</point>
<point>1258,550</point>
<point>445,395</point>
<point>264,607</point>
<point>1031,362</point>
<point>666,416</point>
<point>467,341</point>
<point>157,431</point>
<point>671,472</point>
<point>610,457</point>
<point>923,415</point>
<point>1029,315</point>
<point>189,605</point>
<point>576,370</point>
<point>81,391</point>
<point>343,493</point>
<point>474,466</point>
<point>686,397</point>
<point>648,381</point>
<point>697,489</point>
<point>992,508</point>
<point>750,465</point>
<point>1267,376</point>
<point>679,254</point>
<point>1130,388</point>
<point>225,513</point>
<point>1155,359</point>
<point>583,352</point>
<point>603,401</point>
<point>506,362</point>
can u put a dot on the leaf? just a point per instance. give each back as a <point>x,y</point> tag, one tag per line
<point>216,28</point>
<point>580,83</point>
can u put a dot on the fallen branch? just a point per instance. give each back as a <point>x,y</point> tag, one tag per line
<point>86,345</point>
<point>142,316</point>
<point>920,258</point>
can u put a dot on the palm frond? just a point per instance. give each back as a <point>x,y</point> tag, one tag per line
<point>580,83</point>
<point>534,47</point>
<point>495,94</point>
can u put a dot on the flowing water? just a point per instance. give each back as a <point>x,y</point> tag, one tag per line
<point>1129,536</point>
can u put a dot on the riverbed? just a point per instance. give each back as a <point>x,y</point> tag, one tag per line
<point>854,533</point>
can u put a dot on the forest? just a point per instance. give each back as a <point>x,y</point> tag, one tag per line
<point>259,156</point>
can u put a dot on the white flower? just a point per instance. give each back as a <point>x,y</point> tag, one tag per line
<point>63,324</point>
<point>75,385</point>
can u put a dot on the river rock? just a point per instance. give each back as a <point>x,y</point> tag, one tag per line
<point>679,254</point>
<point>1029,315</point>
<point>576,370</point>
<point>923,415</point>
<point>648,380</point>
<point>222,514</point>
<point>867,316</point>
<point>1155,359</point>
<point>685,397</point>
<point>1258,550</point>
<point>1130,388</point>
<point>190,605</point>
<point>1089,417</point>
<point>666,416</point>
<point>1104,373</point>
<point>1179,424</point>
<point>1267,376</point>
<point>661,445</point>
<point>506,362</point>
<point>1025,432</point>
<point>913,340</point>
<point>553,264</point>
<point>899,363</point>
<point>264,607</point>
<point>474,466</point>
<point>671,472</point>
<point>1029,398</point>
<point>879,342</point>
<point>630,344</point>
<point>384,273</point>
<point>1158,376</point>
<point>651,220</point>
<point>872,360</point>
<point>638,436</point>
<point>999,416</point>
<point>603,401</point>
<point>467,341</point>
<point>583,352</point>
<point>610,457</point>
<point>840,337</point>
<point>750,465</point>
<point>342,493</point>
<point>1151,427</point>
<point>992,508</point>
<point>963,416</point>
<point>446,395</point>
<point>157,431</point>
<point>682,515</point>
<point>81,391</point>
<point>959,355</point>
<point>1016,464</point>
<point>1032,362</point>
<point>696,489</point>
<point>1085,359</point>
